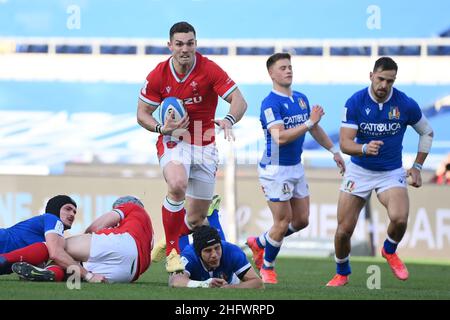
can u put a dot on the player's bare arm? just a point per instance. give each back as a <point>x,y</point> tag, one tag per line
<point>238,106</point>
<point>350,147</point>
<point>57,253</point>
<point>284,136</point>
<point>426,135</point>
<point>322,138</point>
<point>182,280</point>
<point>107,220</point>
<point>250,280</point>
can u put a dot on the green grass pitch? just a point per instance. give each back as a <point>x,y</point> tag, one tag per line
<point>299,279</point>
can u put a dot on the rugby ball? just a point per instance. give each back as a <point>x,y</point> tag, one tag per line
<point>171,107</point>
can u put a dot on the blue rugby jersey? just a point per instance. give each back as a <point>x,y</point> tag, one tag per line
<point>29,231</point>
<point>381,121</point>
<point>278,108</point>
<point>233,262</point>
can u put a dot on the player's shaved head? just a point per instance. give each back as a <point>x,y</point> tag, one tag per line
<point>275,57</point>
<point>181,27</point>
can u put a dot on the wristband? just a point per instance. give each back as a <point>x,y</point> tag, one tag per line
<point>88,276</point>
<point>158,128</point>
<point>309,124</point>
<point>333,149</point>
<point>364,148</point>
<point>418,166</point>
<point>199,284</point>
<point>230,118</point>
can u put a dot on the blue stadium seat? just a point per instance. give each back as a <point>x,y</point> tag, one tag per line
<point>399,50</point>
<point>350,51</point>
<point>438,50</point>
<point>304,51</point>
<point>113,49</point>
<point>213,50</point>
<point>32,48</point>
<point>255,51</point>
<point>156,50</point>
<point>74,49</point>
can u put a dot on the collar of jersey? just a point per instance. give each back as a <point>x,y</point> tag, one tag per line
<point>174,73</point>
<point>373,99</point>
<point>281,94</point>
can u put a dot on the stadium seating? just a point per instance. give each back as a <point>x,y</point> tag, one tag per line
<point>115,49</point>
<point>350,51</point>
<point>74,49</point>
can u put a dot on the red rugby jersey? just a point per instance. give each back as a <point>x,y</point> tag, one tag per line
<point>137,223</point>
<point>199,89</point>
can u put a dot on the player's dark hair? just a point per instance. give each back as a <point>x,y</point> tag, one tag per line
<point>181,27</point>
<point>275,57</point>
<point>203,237</point>
<point>385,63</point>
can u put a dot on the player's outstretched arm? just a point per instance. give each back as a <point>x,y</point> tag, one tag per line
<point>56,251</point>
<point>107,220</point>
<point>250,280</point>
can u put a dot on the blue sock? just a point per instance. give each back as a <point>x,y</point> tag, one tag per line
<point>214,222</point>
<point>270,252</point>
<point>258,242</point>
<point>343,268</point>
<point>389,246</point>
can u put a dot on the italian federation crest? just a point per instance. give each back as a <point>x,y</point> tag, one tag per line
<point>302,103</point>
<point>394,113</point>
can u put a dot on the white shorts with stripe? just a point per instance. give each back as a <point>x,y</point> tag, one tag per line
<point>281,183</point>
<point>114,256</point>
<point>360,182</point>
<point>200,162</point>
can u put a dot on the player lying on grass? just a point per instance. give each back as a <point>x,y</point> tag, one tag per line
<point>40,238</point>
<point>212,263</point>
<point>116,245</point>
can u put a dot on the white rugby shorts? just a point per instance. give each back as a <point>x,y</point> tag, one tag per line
<point>360,182</point>
<point>200,162</point>
<point>281,183</point>
<point>114,256</point>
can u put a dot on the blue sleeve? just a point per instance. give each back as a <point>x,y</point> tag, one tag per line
<point>270,114</point>
<point>52,224</point>
<point>349,116</point>
<point>240,263</point>
<point>415,114</point>
<point>188,260</point>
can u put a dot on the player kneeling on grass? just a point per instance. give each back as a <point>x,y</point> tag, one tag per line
<point>116,245</point>
<point>212,263</point>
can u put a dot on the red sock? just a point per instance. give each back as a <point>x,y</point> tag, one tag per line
<point>58,271</point>
<point>34,254</point>
<point>184,229</point>
<point>172,219</point>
